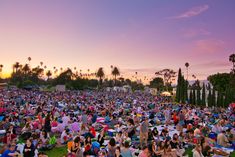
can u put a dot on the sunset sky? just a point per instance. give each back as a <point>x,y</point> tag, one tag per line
<point>134,35</point>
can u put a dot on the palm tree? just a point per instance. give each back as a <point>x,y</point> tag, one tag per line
<point>56,70</point>
<point>187,65</point>
<point>115,73</point>
<point>136,73</point>
<point>232,59</point>
<point>16,66</point>
<point>76,74</point>
<point>29,59</point>
<point>38,71</point>
<point>1,66</point>
<point>88,75</point>
<point>41,63</point>
<point>100,74</point>
<point>26,69</point>
<point>48,74</point>
<point>45,67</point>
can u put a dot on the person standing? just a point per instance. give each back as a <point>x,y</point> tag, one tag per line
<point>181,120</point>
<point>28,149</point>
<point>47,125</point>
<point>144,132</point>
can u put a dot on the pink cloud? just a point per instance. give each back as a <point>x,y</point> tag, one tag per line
<point>213,64</point>
<point>209,45</point>
<point>193,12</point>
<point>190,33</point>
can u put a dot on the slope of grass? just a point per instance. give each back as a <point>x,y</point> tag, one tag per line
<point>57,152</point>
<point>62,151</point>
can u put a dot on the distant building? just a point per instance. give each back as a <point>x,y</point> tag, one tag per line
<point>60,88</point>
<point>152,91</point>
<point>3,85</point>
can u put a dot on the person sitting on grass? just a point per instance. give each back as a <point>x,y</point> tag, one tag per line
<point>144,152</point>
<point>168,151</point>
<point>42,154</point>
<point>7,139</point>
<point>75,148</point>
<point>111,147</point>
<point>125,152</point>
<point>65,136</point>
<point>223,140</point>
<point>101,137</point>
<point>44,139</point>
<point>10,152</point>
<point>197,151</point>
<point>87,145</point>
<point>28,149</point>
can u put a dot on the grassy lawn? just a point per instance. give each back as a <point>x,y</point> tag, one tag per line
<point>62,151</point>
<point>57,152</point>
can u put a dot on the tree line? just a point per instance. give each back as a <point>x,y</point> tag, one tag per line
<point>219,92</point>
<point>23,75</point>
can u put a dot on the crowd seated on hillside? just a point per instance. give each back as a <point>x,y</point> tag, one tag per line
<point>111,124</point>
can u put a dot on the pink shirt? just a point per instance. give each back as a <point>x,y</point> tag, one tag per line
<point>54,124</point>
<point>143,154</point>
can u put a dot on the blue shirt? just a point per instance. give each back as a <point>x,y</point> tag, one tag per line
<point>6,152</point>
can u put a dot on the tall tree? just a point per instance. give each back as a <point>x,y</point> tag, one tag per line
<point>179,85</point>
<point>16,66</point>
<point>48,73</point>
<point>219,81</point>
<point>1,66</point>
<point>198,96</point>
<point>168,75</point>
<point>182,88</point>
<point>203,102</point>
<point>213,98</point>
<point>38,72</point>
<point>219,100</point>
<point>191,97</point>
<point>100,74</point>
<point>209,98</point>
<point>29,59</point>
<point>26,69</point>
<point>232,59</point>
<point>187,65</point>
<point>157,83</point>
<point>115,73</point>
<point>186,90</point>
<point>183,84</point>
<point>194,97</point>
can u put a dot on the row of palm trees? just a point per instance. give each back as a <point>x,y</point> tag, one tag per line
<point>41,68</point>
<point>114,71</point>
<point>231,59</point>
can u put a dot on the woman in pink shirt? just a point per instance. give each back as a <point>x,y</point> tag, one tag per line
<point>54,123</point>
<point>144,152</point>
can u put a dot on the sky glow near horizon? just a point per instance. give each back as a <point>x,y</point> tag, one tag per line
<point>136,36</point>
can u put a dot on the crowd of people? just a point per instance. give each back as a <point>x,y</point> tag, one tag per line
<point>110,124</point>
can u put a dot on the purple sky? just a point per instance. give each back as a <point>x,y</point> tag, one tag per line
<point>135,35</point>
